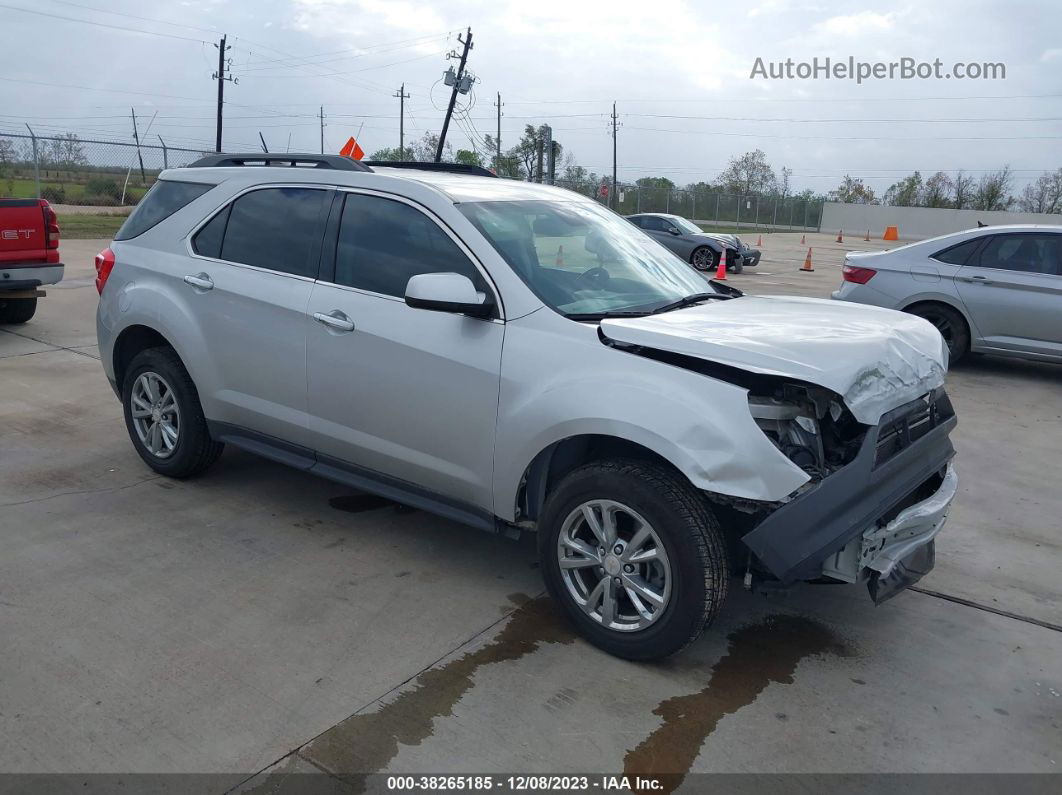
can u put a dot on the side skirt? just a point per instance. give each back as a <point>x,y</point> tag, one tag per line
<point>358,477</point>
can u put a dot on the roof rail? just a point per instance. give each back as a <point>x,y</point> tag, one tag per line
<point>288,159</point>
<point>456,168</point>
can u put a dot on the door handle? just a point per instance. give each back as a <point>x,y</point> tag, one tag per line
<point>200,281</point>
<point>980,280</point>
<point>334,320</point>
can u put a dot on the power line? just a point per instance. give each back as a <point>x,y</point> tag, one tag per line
<point>101,24</point>
<point>134,16</point>
<point>830,121</point>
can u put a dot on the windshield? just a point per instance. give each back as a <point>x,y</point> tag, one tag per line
<point>686,226</point>
<point>582,259</point>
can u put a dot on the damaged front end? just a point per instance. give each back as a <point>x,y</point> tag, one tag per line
<point>877,497</point>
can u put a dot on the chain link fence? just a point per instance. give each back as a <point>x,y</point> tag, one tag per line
<point>711,208</point>
<point>67,169</point>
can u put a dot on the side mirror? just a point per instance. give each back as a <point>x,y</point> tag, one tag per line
<point>447,292</point>
<point>674,230</point>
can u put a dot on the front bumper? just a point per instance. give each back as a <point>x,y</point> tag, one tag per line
<point>895,501</point>
<point>29,276</point>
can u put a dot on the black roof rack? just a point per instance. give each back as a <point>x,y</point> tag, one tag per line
<point>456,168</point>
<point>288,159</point>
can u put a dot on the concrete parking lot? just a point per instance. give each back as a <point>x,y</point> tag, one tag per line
<point>258,621</point>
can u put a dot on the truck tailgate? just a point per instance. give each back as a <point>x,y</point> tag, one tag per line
<point>22,233</point>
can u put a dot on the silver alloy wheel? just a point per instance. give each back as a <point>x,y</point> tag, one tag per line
<point>703,259</point>
<point>614,565</point>
<point>156,416</point>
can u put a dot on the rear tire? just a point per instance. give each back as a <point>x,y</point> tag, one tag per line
<point>17,310</point>
<point>951,325</point>
<point>157,391</point>
<point>680,576</point>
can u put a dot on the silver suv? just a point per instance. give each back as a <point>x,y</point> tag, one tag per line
<point>515,357</point>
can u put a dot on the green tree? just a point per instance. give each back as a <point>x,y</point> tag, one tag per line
<point>1044,195</point>
<point>905,193</point>
<point>468,157</point>
<point>938,190</point>
<point>993,190</point>
<point>750,173</point>
<point>853,191</point>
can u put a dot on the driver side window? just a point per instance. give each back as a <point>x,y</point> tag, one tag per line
<point>383,243</point>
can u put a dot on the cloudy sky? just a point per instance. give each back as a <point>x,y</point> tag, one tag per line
<point>678,71</point>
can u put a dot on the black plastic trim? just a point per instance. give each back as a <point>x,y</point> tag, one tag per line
<point>353,475</point>
<point>794,540</point>
<point>287,160</point>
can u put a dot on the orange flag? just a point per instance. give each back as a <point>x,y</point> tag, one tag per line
<point>351,149</point>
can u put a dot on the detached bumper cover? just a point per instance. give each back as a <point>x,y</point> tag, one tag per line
<point>795,540</point>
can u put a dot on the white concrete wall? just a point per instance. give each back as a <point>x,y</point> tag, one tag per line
<point>916,223</point>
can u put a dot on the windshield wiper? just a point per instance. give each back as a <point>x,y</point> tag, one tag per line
<point>690,300</point>
<point>604,315</point>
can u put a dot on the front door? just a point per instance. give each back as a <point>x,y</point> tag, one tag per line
<point>410,394</point>
<point>1012,288</point>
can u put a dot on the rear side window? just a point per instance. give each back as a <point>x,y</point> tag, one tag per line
<point>162,200</point>
<point>275,228</point>
<point>957,255</point>
<point>1026,253</point>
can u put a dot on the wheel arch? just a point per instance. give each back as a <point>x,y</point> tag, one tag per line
<point>131,341</point>
<point>565,455</point>
<point>947,301</point>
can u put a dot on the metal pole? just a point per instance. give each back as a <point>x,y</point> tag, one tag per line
<point>612,193</point>
<point>453,94</point>
<point>322,129</point>
<point>136,139</point>
<point>693,205</point>
<point>774,216</point>
<point>221,90</point>
<point>497,140</point>
<point>638,200</point>
<point>402,97</point>
<point>740,200</point>
<point>805,226</point>
<point>165,154</point>
<point>36,160</point>
<point>791,206</point>
<point>667,200</point>
<point>756,222</point>
<point>262,139</point>
<point>716,219</point>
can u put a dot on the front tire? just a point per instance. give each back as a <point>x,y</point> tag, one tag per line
<point>951,325</point>
<point>663,574</point>
<point>17,310</point>
<point>163,415</point>
<point>704,259</point>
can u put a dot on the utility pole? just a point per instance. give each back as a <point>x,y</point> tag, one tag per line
<point>539,150</point>
<point>402,97</point>
<point>262,139</point>
<point>224,64</point>
<point>136,140</point>
<point>458,79</point>
<point>497,140</point>
<point>322,129</point>
<point>612,193</point>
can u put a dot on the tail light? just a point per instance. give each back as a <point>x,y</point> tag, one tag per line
<point>850,273</point>
<point>104,264</point>
<point>51,232</point>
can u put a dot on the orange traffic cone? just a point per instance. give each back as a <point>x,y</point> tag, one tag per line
<point>720,272</point>
<point>867,238</point>
<point>802,241</point>
<point>560,255</point>
<point>807,264</point>
<point>759,241</point>
<point>840,235</point>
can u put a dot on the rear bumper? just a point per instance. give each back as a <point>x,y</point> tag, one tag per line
<point>19,276</point>
<point>857,502</point>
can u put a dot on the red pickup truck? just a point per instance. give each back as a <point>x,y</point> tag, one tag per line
<point>29,256</point>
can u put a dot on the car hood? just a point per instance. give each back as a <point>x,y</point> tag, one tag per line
<point>727,240</point>
<point>875,359</point>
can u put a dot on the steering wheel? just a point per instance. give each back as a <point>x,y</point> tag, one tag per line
<point>596,277</point>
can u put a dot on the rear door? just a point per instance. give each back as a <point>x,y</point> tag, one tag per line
<point>1012,287</point>
<point>248,287</point>
<point>407,394</point>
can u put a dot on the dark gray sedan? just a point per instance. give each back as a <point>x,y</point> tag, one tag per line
<point>699,248</point>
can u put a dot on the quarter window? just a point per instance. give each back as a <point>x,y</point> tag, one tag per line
<point>275,228</point>
<point>383,243</point>
<point>207,240</point>
<point>957,255</point>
